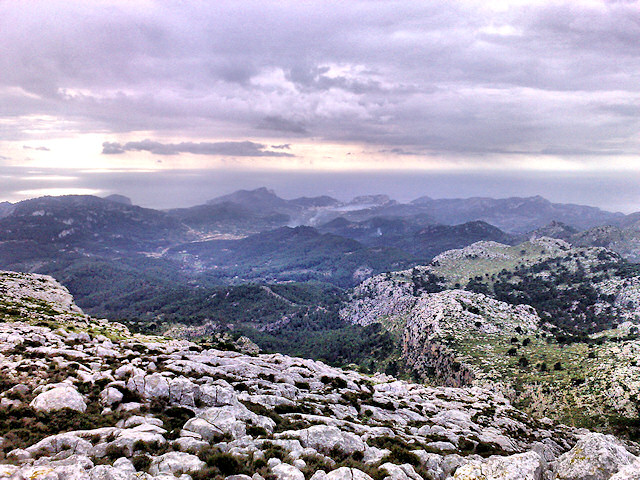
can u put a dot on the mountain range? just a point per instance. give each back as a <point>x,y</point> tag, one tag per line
<point>108,247</point>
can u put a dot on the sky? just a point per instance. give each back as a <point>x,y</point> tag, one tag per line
<point>408,98</point>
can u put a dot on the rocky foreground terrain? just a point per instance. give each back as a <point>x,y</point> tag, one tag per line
<point>85,399</point>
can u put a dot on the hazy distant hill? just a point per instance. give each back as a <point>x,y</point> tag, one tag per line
<point>511,215</point>
<point>119,199</point>
<point>5,209</point>
<point>229,218</point>
<point>91,223</point>
<point>625,241</point>
<point>515,214</point>
<point>261,199</point>
<point>415,235</point>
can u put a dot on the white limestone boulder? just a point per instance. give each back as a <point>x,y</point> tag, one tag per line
<point>324,438</point>
<point>596,456</point>
<point>176,463</point>
<point>346,473</point>
<point>522,466</point>
<point>57,398</point>
<point>400,472</point>
<point>284,471</point>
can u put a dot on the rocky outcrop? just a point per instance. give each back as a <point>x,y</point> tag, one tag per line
<point>161,409</point>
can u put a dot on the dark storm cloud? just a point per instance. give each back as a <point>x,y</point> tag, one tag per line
<point>236,149</point>
<point>428,76</point>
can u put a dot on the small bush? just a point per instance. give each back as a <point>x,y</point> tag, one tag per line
<point>141,462</point>
<point>256,431</point>
<point>114,452</point>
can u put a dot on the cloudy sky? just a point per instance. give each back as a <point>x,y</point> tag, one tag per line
<point>107,96</point>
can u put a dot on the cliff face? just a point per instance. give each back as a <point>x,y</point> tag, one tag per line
<point>85,399</point>
<point>431,324</point>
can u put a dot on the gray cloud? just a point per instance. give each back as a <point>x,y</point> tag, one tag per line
<point>236,149</point>
<point>280,124</point>
<point>41,149</point>
<point>446,77</point>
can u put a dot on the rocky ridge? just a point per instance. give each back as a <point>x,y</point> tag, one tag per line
<point>78,404</point>
<point>458,337</point>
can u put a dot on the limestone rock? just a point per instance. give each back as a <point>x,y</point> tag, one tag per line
<point>284,471</point>
<point>229,419</point>
<point>176,463</point>
<point>628,472</point>
<point>400,472</point>
<point>142,433</point>
<point>596,456</point>
<point>61,442</point>
<point>324,438</point>
<point>58,398</point>
<point>346,473</point>
<point>110,395</point>
<point>523,466</point>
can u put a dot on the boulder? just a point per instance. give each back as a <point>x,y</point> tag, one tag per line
<point>62,442</point>
<point>284,471</point>
<point>7,471</point>
<point>137,420</point>
<point>229,419</point>
<point>522,466</point>
<point>217,395</point>
<point>400,472</point>
<point>183,391</point>
<point>107,472</point>
<point>149,386</point>
<point>324,438</point>
<point>71,472</point>
<point>190,444</point>
<point>127,438</point>
<point>41,472</point>
<point>110,395</point>
<point>346,473</point>
<point>176,463</point>
<point>57,398</point>
<point>596,456</point>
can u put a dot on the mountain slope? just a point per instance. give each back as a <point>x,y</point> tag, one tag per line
<point>624,241</point>
<point>517,215</point>
<point>286,254</point>
<point>228,219</point>
<point>415,235</point>
<point>523,323</point>
<point>92,223</point>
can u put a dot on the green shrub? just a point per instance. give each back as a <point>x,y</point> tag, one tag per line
<point>141,462</point>
<point>114,451</point>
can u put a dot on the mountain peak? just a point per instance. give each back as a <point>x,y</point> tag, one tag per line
<point>119,199</point>
<point>254,199</point>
